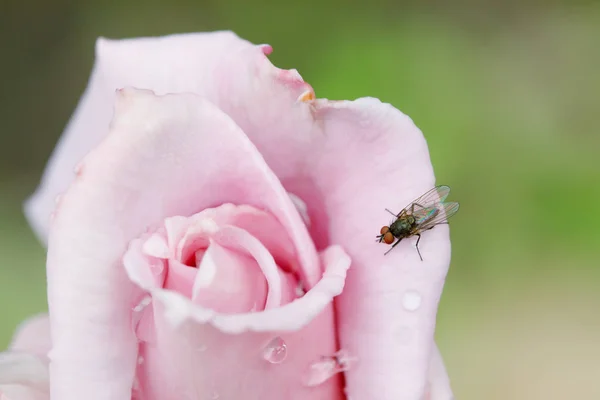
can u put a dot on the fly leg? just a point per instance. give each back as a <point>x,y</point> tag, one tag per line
<point>394,245</point>
<point>391,213</point>
<point>419,235</point>
<point>417,245</point>
<point>412,207</point>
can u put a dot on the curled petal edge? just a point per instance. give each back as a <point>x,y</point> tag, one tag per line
<point>288,318</point>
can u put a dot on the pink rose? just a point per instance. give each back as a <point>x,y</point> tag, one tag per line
<point>210,212</point>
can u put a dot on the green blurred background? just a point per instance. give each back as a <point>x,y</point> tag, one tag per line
<point>506,93</point>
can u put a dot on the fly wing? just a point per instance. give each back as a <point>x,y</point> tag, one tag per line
<point>437,214</point>
<point>436,195</point>
<point>422,215</point>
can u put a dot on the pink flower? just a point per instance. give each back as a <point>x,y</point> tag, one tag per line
<point>214,214</point>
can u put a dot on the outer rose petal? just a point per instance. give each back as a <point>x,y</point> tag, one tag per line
<point>33,336</point>
<point>24,368</point>
<point>391,329</point>
<point>439,383</point>
<point>146,170</point>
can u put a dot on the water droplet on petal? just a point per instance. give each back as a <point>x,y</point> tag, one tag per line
<point>300,289</point>
<point>137,313</point>
<point>347,393</point>
<point>201,348</point>
<point>215,396</point>
<point>57,199</point>
<point>301,207</point>
<point>322,370</point>
<point>145,302</point>
<point>411,300</point>
<point>136,389</point>
<point>156,267</point>
<point>275,351</point>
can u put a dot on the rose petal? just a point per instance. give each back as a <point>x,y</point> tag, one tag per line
<point>180,278</point>
<point>149,271</point>
<point>33,336</point>
<point>398,292</point>
<point>24,368</point>
<point>439,383</point>
<point>243,240</point>
<point>229,282</point>
<point>138,176</point>
<point>156,246</point>
<point>198,351</point>
<point>20,392</point>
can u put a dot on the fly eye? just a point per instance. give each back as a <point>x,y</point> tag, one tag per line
<point>384,230</point>
<point>388,238</point>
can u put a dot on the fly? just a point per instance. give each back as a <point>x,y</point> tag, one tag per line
<point>419,216</point>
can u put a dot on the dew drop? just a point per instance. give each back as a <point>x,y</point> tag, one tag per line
<point>57,199</point>
<point>347,393</point>
<point>275,351</point>
<point>411,300</point>
<point>140,360</point>
<point>136,389</point>
<point>157,267</point>
<point>301,207</point>
<point>254,307</point>
<point>137,313</point>
<point>145,302</point>
<point>300,289</point>
<point>322,370</point>
<point>215,395</point>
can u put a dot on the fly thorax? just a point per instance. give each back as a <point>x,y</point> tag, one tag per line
<point>400,227</point>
